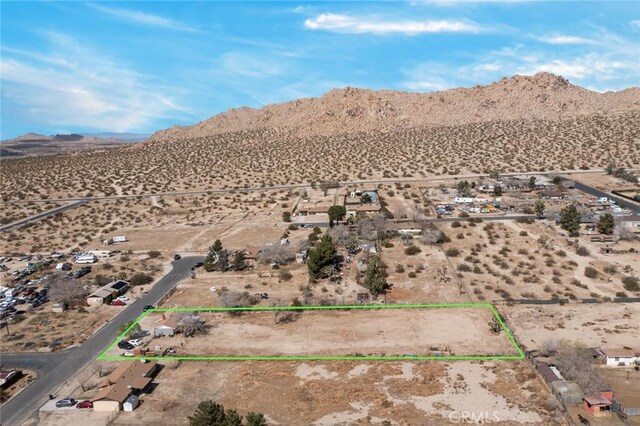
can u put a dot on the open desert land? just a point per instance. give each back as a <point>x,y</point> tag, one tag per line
<point>508,260</point>
<point>375,332</point>
<point>348,392</point>
<point>261,158</point>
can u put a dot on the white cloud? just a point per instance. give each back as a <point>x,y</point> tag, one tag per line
<point>249,66</point>
<point>90,90</point>
<point>144,18</point>
<point>564,39</point>
<point>356,25</point>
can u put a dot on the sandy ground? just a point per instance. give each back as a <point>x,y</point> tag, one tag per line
<point>347,393</point>
<point>607,325</point>
<point>390,332</point>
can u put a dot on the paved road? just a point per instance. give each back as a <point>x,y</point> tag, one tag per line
<point>54,369</point>
<point>633,207</point>
<point>22,222</point>
<point>298,185</point>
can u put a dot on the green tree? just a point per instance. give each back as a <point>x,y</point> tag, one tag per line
<point>539,207</point>
<point>239,262</point>
<point>532,183</point>
<point>140,278</point>
<point>352,245</point>
<point>208,413</point>
<point>216,247</point>
<point>375,279</point>
<point>124,327</point>
<point>321,256</point>
<point>557,180</point>
<point>336,213</point>
<point>497,190</point>
<point>570,220</point>
<point>286,216</point>
<point>464,188</point>
<point>606,224</point>
<point>256,419</point>
<point>233,418</point>
<point>366,199</point>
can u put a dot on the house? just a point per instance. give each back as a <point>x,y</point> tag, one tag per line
<point>596,404</point>
<point>167,327</point>
<point>131,403</point>
<point>309,211</point>
<point>404,228</point>
<point>620,357</point>
<point>251,252</point>
<point>128,378</point>
<point>8,377</point>
<point>597,355</point>
<point>548,372</point>
<point>107,293</point>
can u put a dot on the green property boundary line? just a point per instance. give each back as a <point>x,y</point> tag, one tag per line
<point>521,355</point>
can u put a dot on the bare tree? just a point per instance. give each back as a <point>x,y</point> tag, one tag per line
<point>380,225</point>
<point>63,289</point>
<point>366,229</point>
<point>431,235</point>
<point>276,253</point>
<point>575,363</point>
<point>192,325</point>
<point>340,234</point>
<point>625,233</point>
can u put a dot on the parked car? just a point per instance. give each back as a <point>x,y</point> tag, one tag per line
<point>135,342</point>
<point>213,289</point>
<point>198,265</point>
<point>123,298</point>
<point>147,307</point>
<point>118,303</point>
<point>67,402</point>
<point>127,354</point>
<point>125,345</point>
<point>85,404</point>
<point>263,296</point>
<point>177,257</point>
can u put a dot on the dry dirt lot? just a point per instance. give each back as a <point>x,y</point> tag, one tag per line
<point>612,325</point>
<point>377,332</point>
<point>348,393</point>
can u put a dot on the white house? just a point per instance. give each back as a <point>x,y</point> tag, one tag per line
<point>620,357</point>
<point>86,258</point>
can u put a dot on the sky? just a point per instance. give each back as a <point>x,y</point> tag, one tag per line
<point>143,66</point>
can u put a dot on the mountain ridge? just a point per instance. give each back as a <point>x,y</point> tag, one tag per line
<point>541,96</point>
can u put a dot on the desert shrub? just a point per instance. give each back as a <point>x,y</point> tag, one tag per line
<point>523,233</point>
<point>582,251</point>
<point>154,254</point>
<point>463,267</point>
<point>399,268</point>
<point>140,278</point>
<point>284,275</point>
<point>452,252</point>
<point>412,250</point>
<point>456,225</point>
<point>590,272</point>
<point>561,253</point>
<point>411,274</point>
<point>631,284</point>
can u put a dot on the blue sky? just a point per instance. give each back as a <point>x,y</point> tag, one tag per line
<point>142,66</point>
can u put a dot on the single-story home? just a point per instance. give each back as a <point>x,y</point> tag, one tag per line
<point>127,379</point>
<point>8,377</point>
<point>167,327</point>
<point>404,228</point>
<point>620,357</point>
<point>596,404</point>
<point>106,293</point>
<point>549,373</point>
<point>307,211</point>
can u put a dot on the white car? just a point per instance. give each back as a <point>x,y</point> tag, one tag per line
<point>122,298</point>
<point>213,289</point>
<point>127,354</point>
<point>135,342</point>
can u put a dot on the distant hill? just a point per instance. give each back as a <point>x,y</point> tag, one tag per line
<point>340,111</point>
<point>34,145</point>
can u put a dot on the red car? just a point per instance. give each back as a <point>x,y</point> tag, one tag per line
<point>85,404</point>
<point>118,303</point>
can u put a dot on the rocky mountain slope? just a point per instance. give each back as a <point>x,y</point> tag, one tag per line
<point>542,96</point>
<point>34,144</point>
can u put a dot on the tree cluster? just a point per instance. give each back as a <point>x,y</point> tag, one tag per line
<point>570,220</point>
<point>320,257</point>
<point>210,413</point>
<point>375,279</point>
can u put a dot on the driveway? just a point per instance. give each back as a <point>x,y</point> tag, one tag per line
<point>55,368</point>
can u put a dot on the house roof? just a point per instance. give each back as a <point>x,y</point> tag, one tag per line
<point>118,393</point>
<point>618,353</point>
<point>314,209</point>
<point>596,399</point>
<point>132,374</point>
<point>396,226</point>
<point>365,208</point>
<point>546,371</point>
